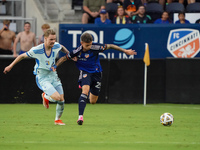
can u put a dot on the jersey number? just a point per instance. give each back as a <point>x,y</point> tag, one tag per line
<point>98,85</point>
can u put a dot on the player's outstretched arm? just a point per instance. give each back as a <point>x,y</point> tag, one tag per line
<point>128,52</point>
<point>61,60</point>
<point>18,59</point>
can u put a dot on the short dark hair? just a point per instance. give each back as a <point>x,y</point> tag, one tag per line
<point>86,37</point>
<point>141,6</point>
<point>183,13</point>
<point>27,23</point>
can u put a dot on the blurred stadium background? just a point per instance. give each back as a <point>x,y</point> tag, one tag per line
<point>173,85</point>
<point>172,77</point>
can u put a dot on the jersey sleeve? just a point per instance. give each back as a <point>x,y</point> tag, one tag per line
<point>99,47</point>
<point>35,51</point>
<point>31,53</point>
<point>57,46</point>
<point>74,53</point>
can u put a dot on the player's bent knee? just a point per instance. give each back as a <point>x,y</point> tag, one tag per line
<point>56,97</point>
<point>93,102</point>
<point>85,91</point>
<point>93,98</point>
<point>62,98</point>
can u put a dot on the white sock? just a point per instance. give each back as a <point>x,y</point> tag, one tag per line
<point>49,98</point>
<point>80,116</point>
<point>59,110</point>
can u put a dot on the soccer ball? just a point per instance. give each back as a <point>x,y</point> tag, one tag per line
<point>166,119</point>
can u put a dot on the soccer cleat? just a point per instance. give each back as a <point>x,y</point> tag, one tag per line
<point>45,101</point>
<point>80,121</point>
<point>59,122</point>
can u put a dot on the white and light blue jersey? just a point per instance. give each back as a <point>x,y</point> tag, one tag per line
<point>43,62</point>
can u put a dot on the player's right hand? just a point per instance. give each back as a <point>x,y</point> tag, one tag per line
<point>53,68</point>
<point>7,69</point>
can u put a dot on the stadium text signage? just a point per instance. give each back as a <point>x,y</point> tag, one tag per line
<point>174,40</point>
<point>123,37</point>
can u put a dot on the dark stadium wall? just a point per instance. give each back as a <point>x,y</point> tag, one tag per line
<point>182,80</point>
<point>169,80</point>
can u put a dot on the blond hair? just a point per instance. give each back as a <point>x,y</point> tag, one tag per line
<point>49,32</point>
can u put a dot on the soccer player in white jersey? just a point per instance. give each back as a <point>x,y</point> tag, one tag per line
<point>46,79</point>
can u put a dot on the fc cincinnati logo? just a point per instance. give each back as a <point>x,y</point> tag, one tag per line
<point>183,43</point>
<point>87,55</point>
<point>84,75</point>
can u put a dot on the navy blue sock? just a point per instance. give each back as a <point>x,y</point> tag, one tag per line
<point>82,103</point>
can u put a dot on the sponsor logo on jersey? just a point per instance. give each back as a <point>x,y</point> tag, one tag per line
<point>84,75</point>
<point>124,38</point>
<point>184,43</point>
<point>47,62</point>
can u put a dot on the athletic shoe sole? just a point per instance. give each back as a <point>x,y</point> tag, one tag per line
<point>80,122</point>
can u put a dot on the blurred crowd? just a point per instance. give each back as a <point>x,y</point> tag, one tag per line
<point>105,12</point>
<point>26,38</point>
<point>136,11</point>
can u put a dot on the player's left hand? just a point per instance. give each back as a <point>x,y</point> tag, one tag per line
<point>130,52</point>
<point>74,58</point>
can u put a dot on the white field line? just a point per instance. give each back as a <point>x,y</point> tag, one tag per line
<point>97,142</point>
<point>173,107</point>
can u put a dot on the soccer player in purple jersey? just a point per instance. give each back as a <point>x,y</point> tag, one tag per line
<point>90,69</point>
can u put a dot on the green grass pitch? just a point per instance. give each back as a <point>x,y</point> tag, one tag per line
<point>106,127</point>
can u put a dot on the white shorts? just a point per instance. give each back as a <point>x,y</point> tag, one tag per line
<point>49,83</point>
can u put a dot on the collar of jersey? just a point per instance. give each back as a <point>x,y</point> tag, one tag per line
<point>46,53</point>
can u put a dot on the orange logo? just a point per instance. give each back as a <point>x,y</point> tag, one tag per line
<point>131,8</point>
<point>84,75</point>
<point>184,43</point>
<point>87,55</point>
